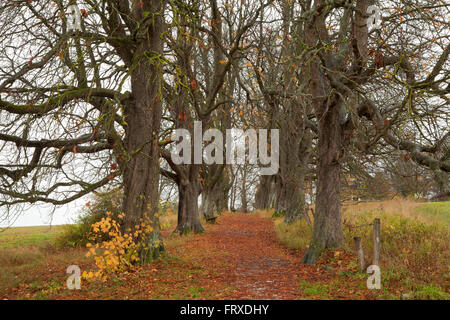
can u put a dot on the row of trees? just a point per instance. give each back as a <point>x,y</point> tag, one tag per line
<point>95,108</point>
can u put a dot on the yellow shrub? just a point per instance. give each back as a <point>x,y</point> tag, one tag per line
<point>123,249</point>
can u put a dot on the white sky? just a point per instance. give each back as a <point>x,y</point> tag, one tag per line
<point>39,215</point>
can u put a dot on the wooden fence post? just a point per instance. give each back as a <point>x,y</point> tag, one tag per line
<point>359,250</point>
<point>376,241</point>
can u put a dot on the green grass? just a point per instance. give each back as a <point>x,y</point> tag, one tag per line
<point>437,211</point>
<point>315,290</point>
<point>28,236</point>
<point>429,292</point>
<point>29,258</point>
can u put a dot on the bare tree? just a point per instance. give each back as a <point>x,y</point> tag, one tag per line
<point>348,66</point>
<point>81,107</point>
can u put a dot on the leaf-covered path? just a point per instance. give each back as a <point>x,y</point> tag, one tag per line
<point>242,253</point>
<point>258,267</point>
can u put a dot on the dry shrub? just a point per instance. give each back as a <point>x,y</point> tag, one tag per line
<point>77,235</point>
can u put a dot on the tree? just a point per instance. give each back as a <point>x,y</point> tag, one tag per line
<point>197,90</point>
<point>348,66</point>
<point>276,92</point>
<point>81,108</point>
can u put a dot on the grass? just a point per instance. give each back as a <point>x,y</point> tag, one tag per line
<point>33,266</point>
<point>295,235</point>
<point>415,243</point>
<point>315,289</point>
<point>28,236</point>
<point>425,212</point>
<point>438,212</point>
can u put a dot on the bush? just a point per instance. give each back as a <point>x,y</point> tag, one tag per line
<point>122,250</point>
<point>77,235</point>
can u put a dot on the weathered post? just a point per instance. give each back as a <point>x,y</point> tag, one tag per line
<point>360,252</point>
<point>376,241</point>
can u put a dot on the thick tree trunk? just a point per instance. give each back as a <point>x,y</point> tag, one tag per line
<point>209,203</point>
<point>265,196</point>
<point>216,191</point>
<point>294,207</point>
<point>214,200</point>
<point>295,146</point>
<point>140,163</point>
<point>188,213</point>
<point>295,189</point>
<point>327,229</point>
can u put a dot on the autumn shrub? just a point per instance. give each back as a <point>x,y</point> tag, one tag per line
<point>77,234</point>
<point>116,251</point>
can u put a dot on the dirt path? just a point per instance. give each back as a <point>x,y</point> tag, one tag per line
<point>260,268</point>
<point>257,265</point>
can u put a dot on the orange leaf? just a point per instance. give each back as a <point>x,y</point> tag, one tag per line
<point>193,84</point>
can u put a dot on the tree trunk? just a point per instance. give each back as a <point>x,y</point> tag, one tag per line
<point>143,116</point>
<point>215,191</point>
<point>266,192</point>
<point>244,208</point>
<point>294,209</point>
<point>327,229</point>
<point>213,200</point>
<point>209,203</point>
<point>295,190</point>
<point>188,214</point>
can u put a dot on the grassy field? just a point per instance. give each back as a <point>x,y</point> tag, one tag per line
<point>415,244</point>
<point>39,236</point>
<point>414,257</point>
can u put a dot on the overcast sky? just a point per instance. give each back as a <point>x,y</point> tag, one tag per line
<point>39,215</point>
